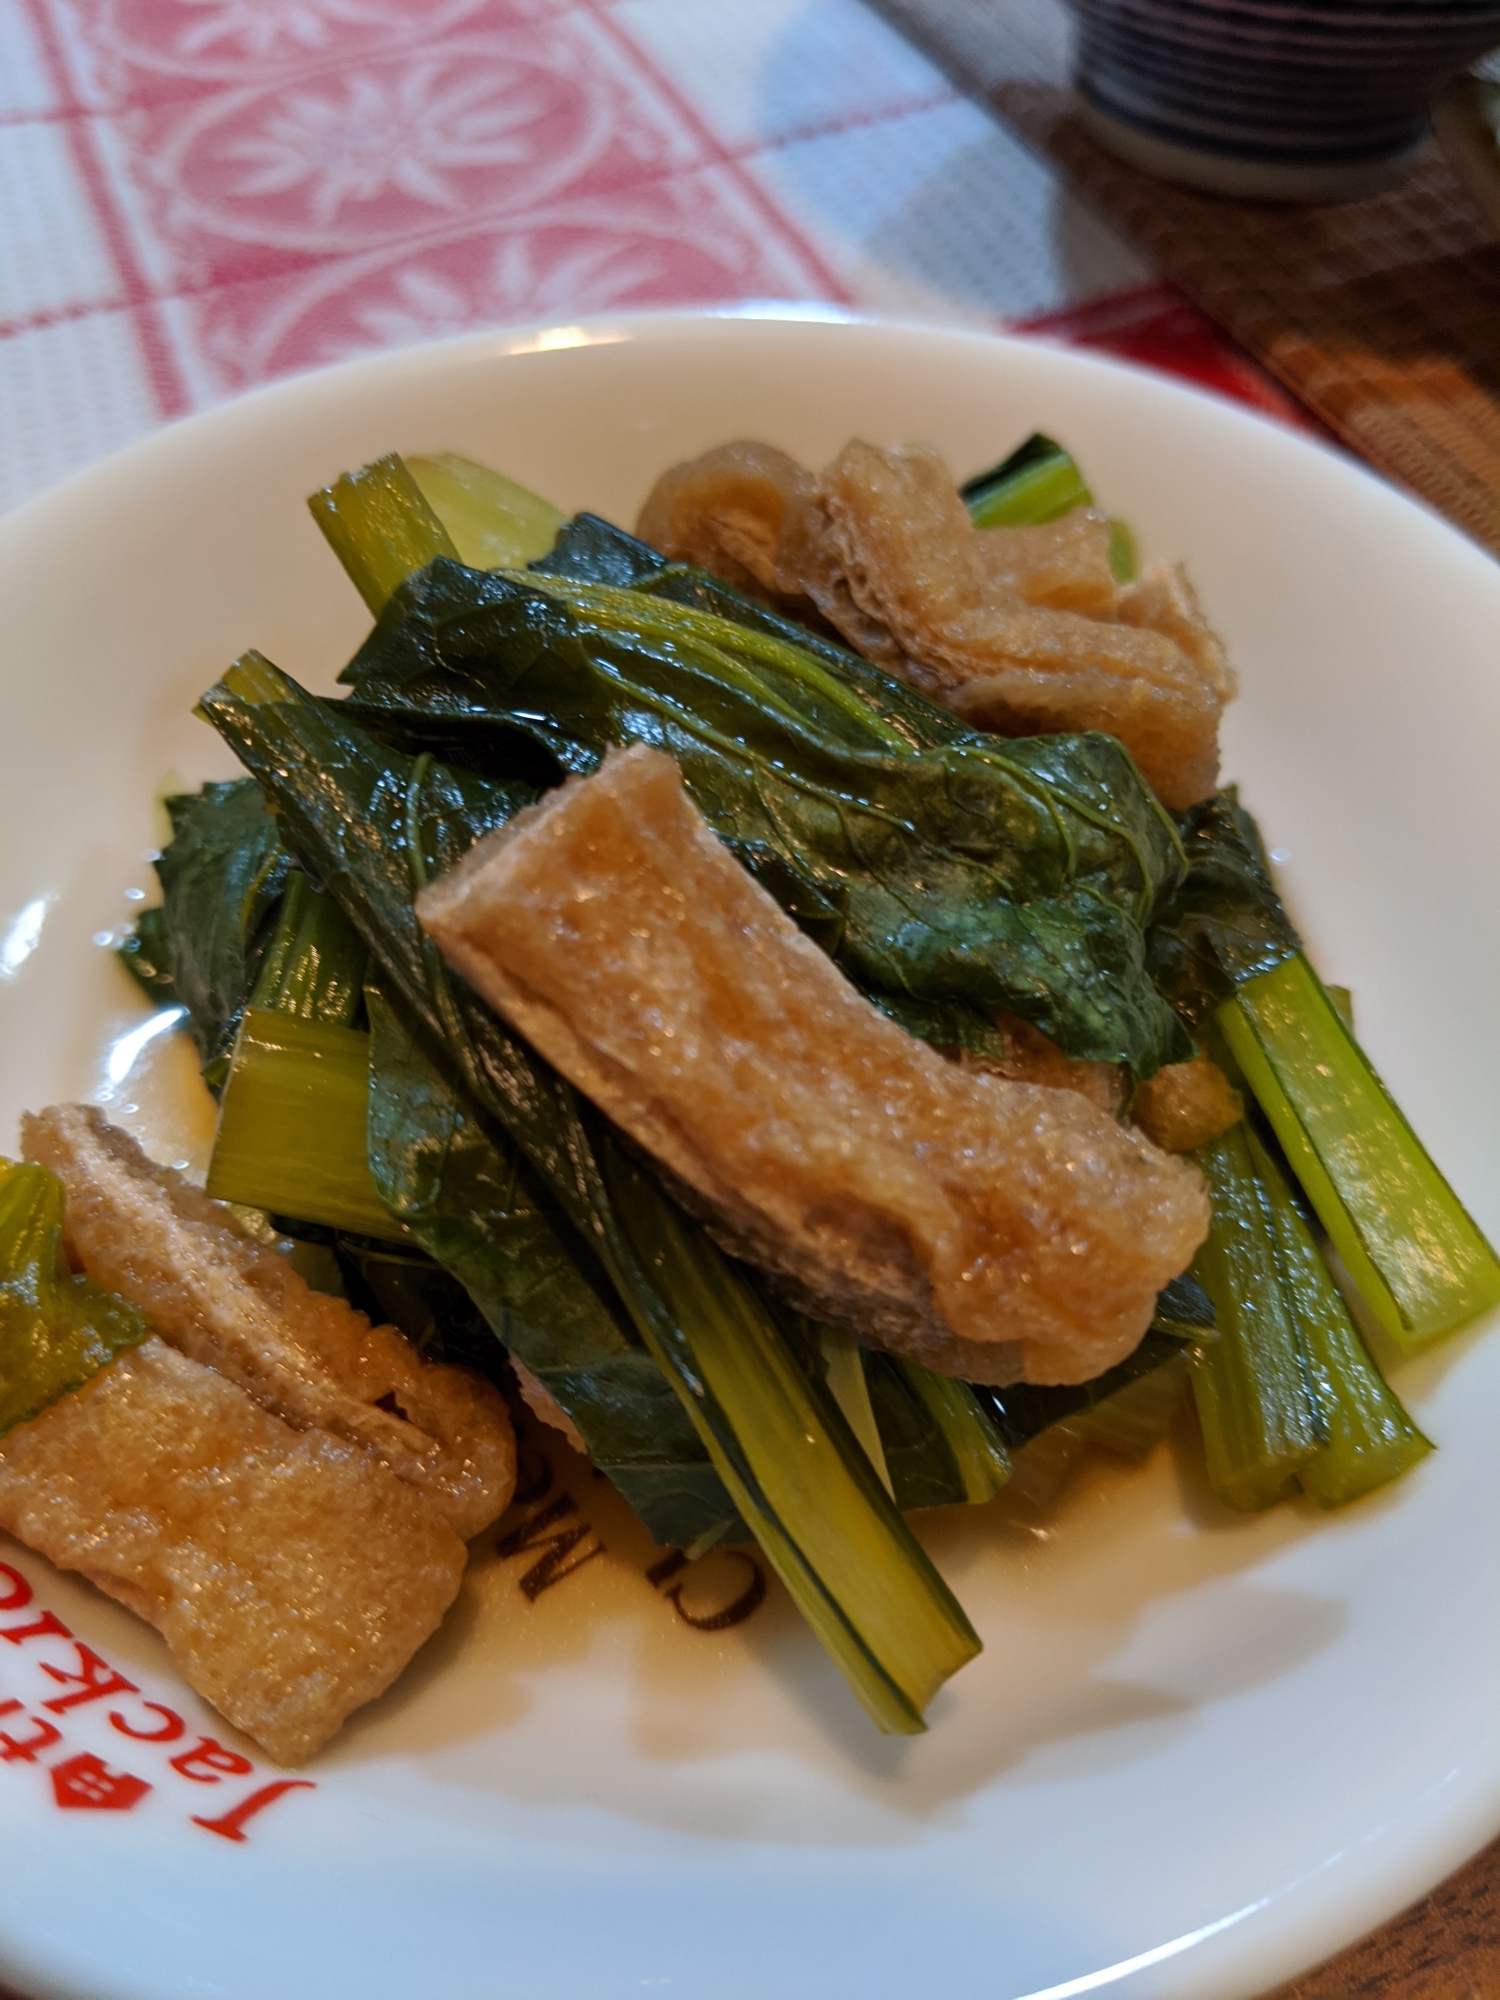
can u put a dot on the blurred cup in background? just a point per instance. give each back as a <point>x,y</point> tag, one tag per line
<point>1275,100</point>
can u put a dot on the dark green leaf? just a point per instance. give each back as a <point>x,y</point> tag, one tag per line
<point>967,873</point>
<point>595,551</point>
<point>221,876</point>
<point>1184,1317</point>
<point>147,956</point>
<point>1224,924</point>
<point>471,1201</point>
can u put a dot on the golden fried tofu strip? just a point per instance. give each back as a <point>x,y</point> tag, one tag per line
<point>724,511</point>
<point>291,1574</point>
<point>1020,630</point>
<point>231,1303</point>
<point>983,1226</point>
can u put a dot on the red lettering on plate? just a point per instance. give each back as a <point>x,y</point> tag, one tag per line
<point>48,1626</point>
<point>231,1825</point>
<point>14,1750</point>
<point>86,1782</point>
<point>172,1724</point>
<point>19,1592</point>
<point>94,1679</point>
<point>208,1761</point>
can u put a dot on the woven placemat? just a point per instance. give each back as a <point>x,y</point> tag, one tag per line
<point>1381,316</point>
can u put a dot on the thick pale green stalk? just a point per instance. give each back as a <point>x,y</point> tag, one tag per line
<point>1414,1253</point>
<point>1371,1439</point>
<point>844,1360</point>
<point>1257,1400</point>
<point>291,1134</point>
<point>795,1472</point>
<point>315,964</point>
<point>979,1454</point>
<point>380,527</point>
<point>492,522</point>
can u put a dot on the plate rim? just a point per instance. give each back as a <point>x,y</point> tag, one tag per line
<point>1445,1845</point>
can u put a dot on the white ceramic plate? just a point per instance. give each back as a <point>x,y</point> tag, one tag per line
<point>1199,1752</point>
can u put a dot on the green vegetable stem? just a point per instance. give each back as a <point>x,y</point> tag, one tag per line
<point>1416,1256</point>
<point>795,1469</point>
<point>291,1131</point>
<point>56,1331</point>
<point>1041,482</point>
<point>1287,1394</point>
<point>493,522</point>
<point>380,525</point>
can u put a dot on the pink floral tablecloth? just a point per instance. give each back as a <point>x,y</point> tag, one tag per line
<point>200,195</point>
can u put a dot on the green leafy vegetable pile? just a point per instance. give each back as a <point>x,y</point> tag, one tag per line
<point>375,1104</point>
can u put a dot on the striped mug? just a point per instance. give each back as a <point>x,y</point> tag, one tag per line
<point>1293,100</point>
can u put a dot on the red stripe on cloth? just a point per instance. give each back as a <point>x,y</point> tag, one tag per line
<point>163,371</point>
<point>1157,325</point>
<point>722,155</point>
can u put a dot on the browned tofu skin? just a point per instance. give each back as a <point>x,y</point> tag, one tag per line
<point>1032,1057</point>
<point>1021,630</point>
<point>983,1226</point>
<point>291,1574</point>
<point>231,1303</point>
<point>1186,1105</point>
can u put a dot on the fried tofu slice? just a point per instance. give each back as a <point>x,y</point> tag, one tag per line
<point>985,1227</point>
<point>291,1574</point>
<point>1019,630</point>
<point>1032,1057</point>
<point>209,1289</point>
<point>725,511</point>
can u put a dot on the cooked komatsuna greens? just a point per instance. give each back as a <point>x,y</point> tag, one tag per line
<point>959,762</point>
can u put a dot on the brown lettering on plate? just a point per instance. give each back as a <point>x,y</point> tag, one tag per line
<point>86,1782</point>
<point>26,1750</point>
<point>552,1568</point>
<point>666,1568</point>
<point>94,1679</point>
<point>207,1762</point>
<point>231,1825</point>
<point>553,1565</point>
<point>749,1599</point>
<point>172,1724</point>
<point>530,1534</point>
<point>48,1626</point>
